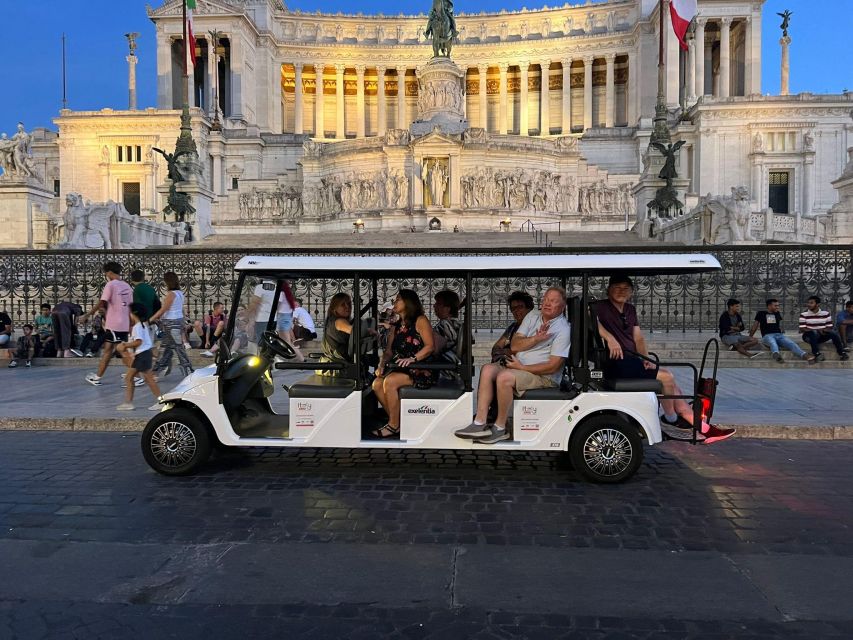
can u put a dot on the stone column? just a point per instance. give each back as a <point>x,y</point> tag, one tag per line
<point>672,53</point>
<point>212,80</point>
<point>753,49</point>
<point>340,120</point>
<point>587,92</point>
<point>359,101</point>
<point>785,41</point>
<point>808,181</point>
<point>524,115</point>
<point>699,53</point>
<point>691,71</point>
<point>319,126</point>
<point>401,98</point>
<point>725,57</point>
<point>633,89</point>
<point>545,98</point>
<point>483,71</point>
<point>297,98</point>
<point>381,124</point>
<point>610,91</point>
<point>567,96</point>
<point>502,67</point>
<point>131,82</point>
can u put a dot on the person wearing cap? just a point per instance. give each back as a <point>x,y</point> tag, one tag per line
<point>620,329</point>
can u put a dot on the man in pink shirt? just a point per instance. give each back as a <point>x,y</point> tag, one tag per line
<point>116,298</point>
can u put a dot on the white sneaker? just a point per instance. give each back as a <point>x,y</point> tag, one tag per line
<point>13,364</point>
<point>137,382</point>
<point>77,352</point>
<point>125,406</point>
<point>95,379</point>
<point>187,346</point>
<point>155,407</point>
<point>89,354</point>
<point>208,354</point>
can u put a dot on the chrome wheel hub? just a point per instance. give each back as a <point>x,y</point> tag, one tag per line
<point>607,452</point>
<point>173,444</point>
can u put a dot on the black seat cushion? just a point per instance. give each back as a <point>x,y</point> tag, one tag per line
<point>635,384</point>
<point>549,393</point>
<point>322,387</point>
<point>445,390</point>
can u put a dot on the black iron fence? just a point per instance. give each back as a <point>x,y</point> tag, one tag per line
<point>664,303</point>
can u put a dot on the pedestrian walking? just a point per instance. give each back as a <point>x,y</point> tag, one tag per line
<point>171,318</point>
<point>136,354</point>
<point>115,302</point>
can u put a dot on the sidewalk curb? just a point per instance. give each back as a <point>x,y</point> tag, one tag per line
<point>752,431</point>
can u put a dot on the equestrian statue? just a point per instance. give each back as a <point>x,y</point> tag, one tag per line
<point>441,27</point>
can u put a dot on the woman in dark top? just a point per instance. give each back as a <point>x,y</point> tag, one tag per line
<point>520,304</point>
<point>338,328</point>
<point>411,341</point>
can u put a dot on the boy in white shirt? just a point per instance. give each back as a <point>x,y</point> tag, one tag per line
<point>136,354</point>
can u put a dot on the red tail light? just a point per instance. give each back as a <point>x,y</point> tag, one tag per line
<point>707,405</point>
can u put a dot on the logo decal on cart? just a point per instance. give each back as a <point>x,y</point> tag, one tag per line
<point>422,410</point>
<point>527,410</point>
<point>303,406</point>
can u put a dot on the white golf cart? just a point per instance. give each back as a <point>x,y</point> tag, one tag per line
<point>236,402</point>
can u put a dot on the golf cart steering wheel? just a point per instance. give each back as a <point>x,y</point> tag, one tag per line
<point>279,347</point>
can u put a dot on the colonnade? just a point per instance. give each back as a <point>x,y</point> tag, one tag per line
<point>714,54</point>
<point>486,108</point>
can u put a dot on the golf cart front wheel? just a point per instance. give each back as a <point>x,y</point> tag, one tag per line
<point>175,443</point>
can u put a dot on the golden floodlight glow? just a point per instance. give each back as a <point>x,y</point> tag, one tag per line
<point>254,361</point>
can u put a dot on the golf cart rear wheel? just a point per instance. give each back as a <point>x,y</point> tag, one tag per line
<point>606,449</point>
<point>175,442</point>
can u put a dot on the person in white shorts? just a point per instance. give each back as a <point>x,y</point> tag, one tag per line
<point>541,346</point>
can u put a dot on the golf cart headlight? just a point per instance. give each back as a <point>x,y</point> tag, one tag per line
<point>254,361</point>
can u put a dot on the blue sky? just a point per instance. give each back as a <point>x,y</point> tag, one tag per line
<point>97,72</point>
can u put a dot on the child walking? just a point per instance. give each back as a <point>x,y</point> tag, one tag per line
<point>136,354</point>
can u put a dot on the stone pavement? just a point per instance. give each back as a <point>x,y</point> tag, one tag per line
<point>761,401</point>
<point>745,540</point>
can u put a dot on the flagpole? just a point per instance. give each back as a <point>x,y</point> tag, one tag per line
<point>64,95</point>
<point>660,132</point>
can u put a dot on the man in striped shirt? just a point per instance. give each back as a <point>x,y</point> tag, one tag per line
<point>816,327</point>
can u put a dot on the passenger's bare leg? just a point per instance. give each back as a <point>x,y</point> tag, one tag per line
<point>486,390</point>
<point>505,384</point>
<point>669,389</point>
<point>393,383</point>
<point>379,390</point>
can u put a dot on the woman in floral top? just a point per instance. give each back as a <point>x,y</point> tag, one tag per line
<point>411,341</point>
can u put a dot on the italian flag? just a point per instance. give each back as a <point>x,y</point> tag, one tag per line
<point>190,37</point>
<point>681,12</point>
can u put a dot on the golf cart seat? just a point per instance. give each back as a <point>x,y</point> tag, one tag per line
<point>634,384</point>
<point>322,387</point>
<point>551,393</point>
<point>443,390</point>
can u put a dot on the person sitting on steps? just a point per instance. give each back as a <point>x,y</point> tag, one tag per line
<point>731,331</point>
<point>816,327</point>
<point>773,335</point>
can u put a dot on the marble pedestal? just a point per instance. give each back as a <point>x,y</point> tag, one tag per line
<point>441,99</point>
<point>840,223</point>
<point>201,196</point>
<point>25,207</point>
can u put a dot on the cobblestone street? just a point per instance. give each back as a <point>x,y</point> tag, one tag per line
<point>748,539</point>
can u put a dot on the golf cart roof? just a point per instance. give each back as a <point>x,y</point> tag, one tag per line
<point>384,266</point>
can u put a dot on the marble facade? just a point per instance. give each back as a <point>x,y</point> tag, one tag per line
<point>319,119</point>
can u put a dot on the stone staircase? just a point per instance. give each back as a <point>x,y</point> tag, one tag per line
<point>444,240</point>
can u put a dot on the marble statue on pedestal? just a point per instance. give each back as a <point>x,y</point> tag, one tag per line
<point>16,156</point>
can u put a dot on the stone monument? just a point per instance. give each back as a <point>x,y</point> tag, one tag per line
<point>840,226</point>
<point>23,195</point>
<point>441,83</point>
